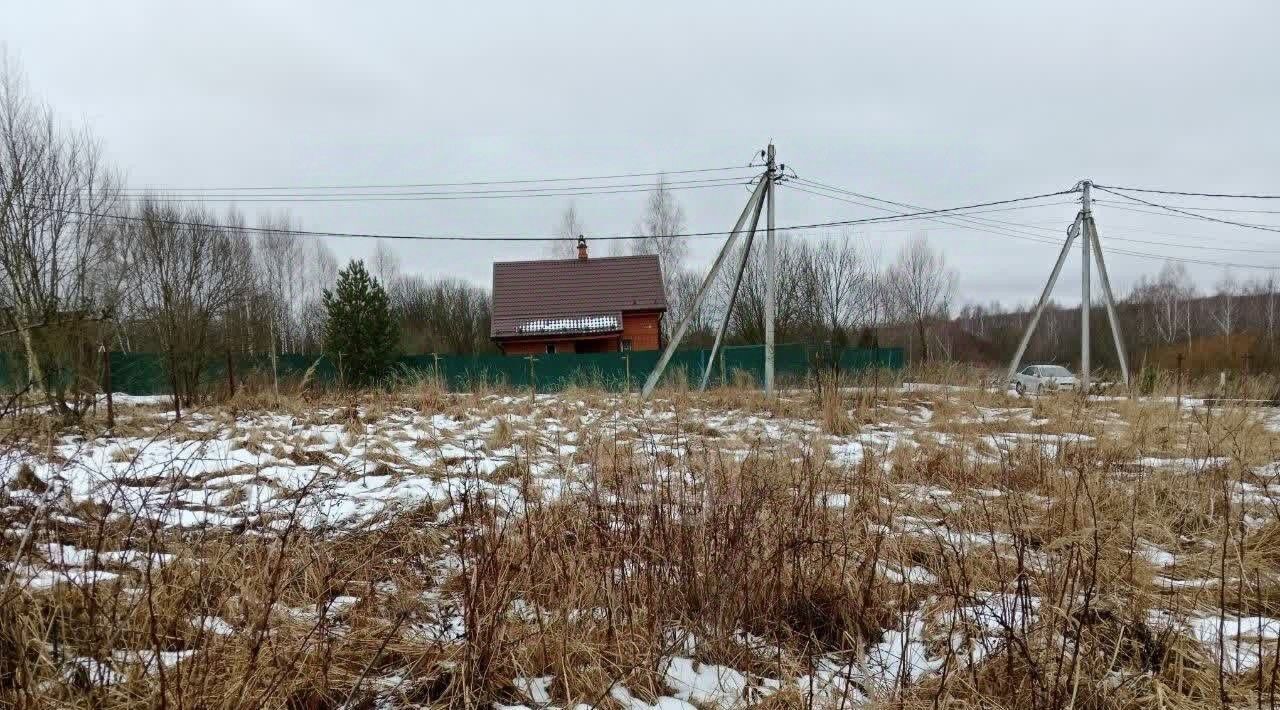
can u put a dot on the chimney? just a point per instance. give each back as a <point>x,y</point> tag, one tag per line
<point>582,247</point>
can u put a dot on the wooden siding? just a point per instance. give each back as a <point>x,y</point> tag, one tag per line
<point>642,329</point>
<point>535,347</point>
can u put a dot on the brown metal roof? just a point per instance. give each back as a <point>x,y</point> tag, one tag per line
<point>525,291</point>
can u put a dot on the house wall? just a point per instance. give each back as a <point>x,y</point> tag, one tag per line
<point>535,347</point>
<point>643,329</point>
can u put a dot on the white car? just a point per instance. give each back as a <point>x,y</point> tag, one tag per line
<point>1037,379</point>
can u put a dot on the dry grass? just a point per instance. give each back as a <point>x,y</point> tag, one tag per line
<point>1007,542</point>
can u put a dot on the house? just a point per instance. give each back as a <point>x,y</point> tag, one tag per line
<point>580,305</point>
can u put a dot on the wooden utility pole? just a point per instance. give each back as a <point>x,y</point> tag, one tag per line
<point>106,385</point>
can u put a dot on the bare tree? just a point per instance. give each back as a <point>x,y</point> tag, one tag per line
<point>449,316</point>
<point>1262,298</point>
<point>657,234</point>
<point>189,271</point>
<point>680,296</point>
<point>838,277</point>
<point>795,302</point>
<point>1223,310</point>
<point>1165,301</point>
<point>323,268</point>
<point>56,200</point>
<point>385,263</point>
<point>282,277</point>
<point>921,288</point>
<point>569,229</point>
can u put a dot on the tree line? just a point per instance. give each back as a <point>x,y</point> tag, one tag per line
<point>86,266</point>
<point>1231,325</point>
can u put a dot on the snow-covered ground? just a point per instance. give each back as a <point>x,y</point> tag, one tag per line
<point>333,471</point>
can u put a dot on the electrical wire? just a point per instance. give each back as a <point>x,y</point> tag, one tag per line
<point>460,238</point>
<point>1109,231</point>
<point>1234,196</point>
<point>1175,210</point>
<point>471,183</point>
<point>971,223</point>
<point>435,196</point>
<point>1197,208</point>
<point>1057,242</point>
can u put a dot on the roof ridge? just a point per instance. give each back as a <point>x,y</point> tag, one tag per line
<point>574,259</point>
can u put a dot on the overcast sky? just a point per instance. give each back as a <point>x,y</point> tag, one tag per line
<point>935,103</point>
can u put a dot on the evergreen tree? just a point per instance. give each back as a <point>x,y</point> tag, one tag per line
<point>359,333</point>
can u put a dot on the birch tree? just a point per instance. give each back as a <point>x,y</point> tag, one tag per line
<point>663,219</point>
<point>56,205</point>
<point>921,287</point>
<point>568,230</point>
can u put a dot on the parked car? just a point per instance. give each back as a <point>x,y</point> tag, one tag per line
<point>1038,379</point>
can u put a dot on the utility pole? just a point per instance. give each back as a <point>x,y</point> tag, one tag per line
<point>1086,229</point>
<point>771,276</point>
<point>733,297</point>
<point>1109,298</point>
<point>756,197</point>
<point>1086,292</point>
<point>761,197</point>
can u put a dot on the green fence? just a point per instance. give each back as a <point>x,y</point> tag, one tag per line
<point>145,373</point>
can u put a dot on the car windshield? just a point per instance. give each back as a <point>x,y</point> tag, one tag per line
<point>1054,371</point>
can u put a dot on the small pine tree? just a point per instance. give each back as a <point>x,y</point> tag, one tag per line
<point>359,332</point>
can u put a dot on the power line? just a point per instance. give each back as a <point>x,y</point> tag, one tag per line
<point>1135,229</point>
<point>431,197</point>
<point>1189,194</point>
<point>976,224</point>
<point>1175,210</point>
<point>461,238</point>
<point>389,186</point>
<point>895,213</point>
<point>1035,238</point>
<point>1196,208</point>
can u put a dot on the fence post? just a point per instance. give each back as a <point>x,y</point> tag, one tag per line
<point>439,382</point>
<point>1178,406</point>
<point>231,376</point>
<point>533,380</point>
<point>626,366</point>
<point>106,385</point>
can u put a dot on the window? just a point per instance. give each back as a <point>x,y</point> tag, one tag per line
<point>626,344</point>
<point>551,349</point>
<point>1029,371</point>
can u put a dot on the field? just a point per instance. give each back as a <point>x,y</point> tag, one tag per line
<point>906,546</point>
